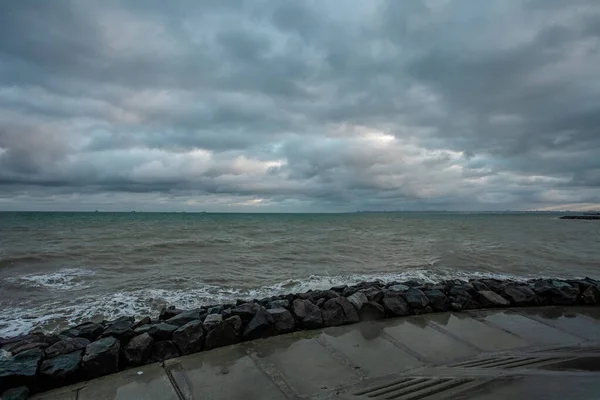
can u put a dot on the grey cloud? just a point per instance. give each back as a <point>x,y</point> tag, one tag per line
<point>300,106</point>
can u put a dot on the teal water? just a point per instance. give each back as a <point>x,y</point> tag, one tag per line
<point>59,268</point>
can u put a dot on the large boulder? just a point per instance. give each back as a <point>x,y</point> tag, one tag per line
<point>284,320</point>
<point>235,322</point>
<point>371,311</point>
<point>438,300</point>
<point>246,311</point>
<point>62,369</point>
<point>101,357</point>
<point>66,346</point>
<point>139,349</point>
<point>25,345</point>
<point>168,312</point>
<point>416,299</point>
<point>339,311</point>
<point>18,393</point>
<point>162,331</point>
<point>399,288</point>
<point>396,306</point>
<point>212,320</point>
<point>358,300</point>
<point>120,329</point>
<point>555,292</point>
<point>262,325</point>
<point>20,369</point>
<point>164,350</point>
<point>373,293</point>
<point>141,322</point>
<point>488,299</point>
<point>221,334</point>
<point>520,295</point>
<point>88,330</point>
<point>184,317</point>
<point>308,314</point>
<point>278,304</point>
<point>189,338</point>
<point>591,296</point>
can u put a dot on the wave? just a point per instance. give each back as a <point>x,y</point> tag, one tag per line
<point>64,279</point>
<point>57,315</point>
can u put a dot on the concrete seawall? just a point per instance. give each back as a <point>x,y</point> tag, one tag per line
<point>533,353</point>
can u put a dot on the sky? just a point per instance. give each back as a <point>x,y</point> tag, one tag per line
<point>299,106</point>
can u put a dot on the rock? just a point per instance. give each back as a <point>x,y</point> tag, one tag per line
<point>236,323</point>
<point>20,369</point>
<point>215,310</point>
<point>141,322</point>
<point>591,296</point>
<point>323,294</point>
<point>520,295</point>
<point>488,299</point>
<point>396,306</point>
<point>213,319</point>
<point>412,284</point>
<point>308,314</point>
<point>189,338</point>
<point>279,304</point>
<point>462,290</point>
<point>339,311</point>
<point>221,334</point>
<point>162,331</point>
<point>339,288</point>
<point>139,349</point>
<point>120,329</point>
<point>184,317</point>
<point>164,350</point>
<point>88,330</point>
<point>66,346</point>
<point>142,329</point>
<point>358,299</point>
<point>169,312</point>
<point>349,291</point>
<point>19,393</point>
<point>494,285</point>
<point>564,294</point>
<point>246,311</point>
<point>438,300</point>
<point>479,285</point>
<point>61,369</point>
<point>371,311</point>
<point>101,357</point>
<point>19,347</point>
<point>262,325</point>
<point>416,299</point>
<point>284,320</point>
<point>320,302</point>
<point>398,288</point>
<point>373,293</point>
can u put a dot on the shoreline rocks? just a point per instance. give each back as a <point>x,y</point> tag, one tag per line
<point>36,361</point>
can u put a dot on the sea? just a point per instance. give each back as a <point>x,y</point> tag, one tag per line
<point>57,269</point>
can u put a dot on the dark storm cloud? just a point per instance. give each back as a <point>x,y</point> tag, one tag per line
<point>283,106</point>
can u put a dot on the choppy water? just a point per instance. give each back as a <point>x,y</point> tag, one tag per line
<point>59,268</point>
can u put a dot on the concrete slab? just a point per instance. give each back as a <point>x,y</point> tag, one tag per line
<point>306,365</point>
<point>67,393</point>
<point>529,329</point>
<point>477,333</point>
<point>578,321</point>
<point>226,373</point>
<point>434,346</point>
<point>365,347</point>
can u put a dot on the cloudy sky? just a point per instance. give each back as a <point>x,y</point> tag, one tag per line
<point>274,105</point>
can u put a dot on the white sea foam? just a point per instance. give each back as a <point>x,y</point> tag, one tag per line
<point>57,315</point>
<point>64,279</point>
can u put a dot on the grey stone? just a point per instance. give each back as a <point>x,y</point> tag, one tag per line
<point>373,293</point>
<point>396,306</point>
<point>236,323</point>
<point>139,349</point>
<point>162,331</point>
<point>308,314</point>
<point>591,296</point>
<point>246,311</point>
<point>189,338</point>
<point>416,299</point>
<point>169,312</point>
<point>438,300</point>
<point>142,329</point>
<point>164,350</point>
<point>371,311</point>
<point>221,334</point>
<point>141,322</point>
<point>66,346</point>
<point>19,393</point>
<point>184,317</point>
<point>88,330</point>
<point>120,329</point>
<point>279,304</point>
<point>398,288</point>
<point>339,288</point>
<point>20,369</point>
<point>520,295</point>
<point>213,319</point>
<point>320,302</point>
<point>487,298</point>
<point>62,367</point>
<point>284,320</point>
<point>339,311</point>
<point>262,325</point>
<point>101,357</point>
<point>358,299</point>
<point>20,347</point>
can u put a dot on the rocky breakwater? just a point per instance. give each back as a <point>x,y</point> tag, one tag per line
<point>38,361</point>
